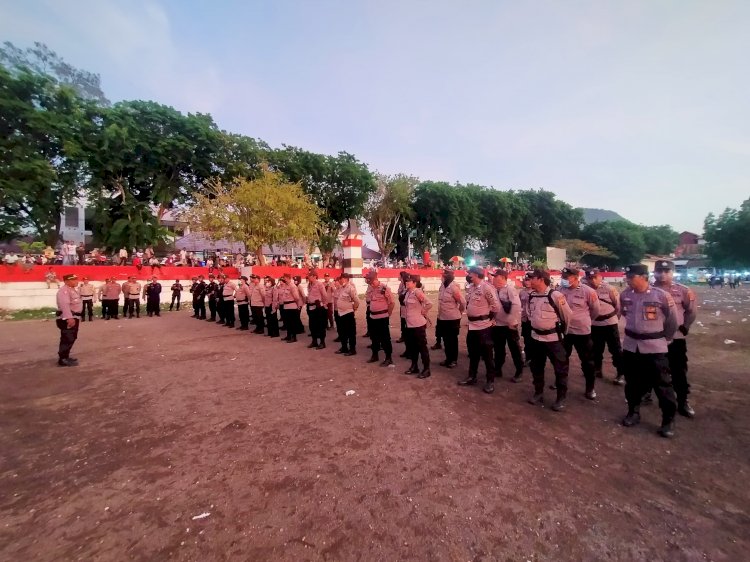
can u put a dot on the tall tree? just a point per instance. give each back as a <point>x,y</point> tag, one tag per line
<point>727,237</point>
<point>45,132</point>
<point>43,61</point>
<point>339,185</point>
<point>623,238</point>
<point>388,208</point>
<point>577,249</point>
<point>660,240</point>
<point>502,214</point>
<point>548,219</point>
<point>267,210</point>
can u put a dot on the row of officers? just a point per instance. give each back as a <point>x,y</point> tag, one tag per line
<point>582,314</point>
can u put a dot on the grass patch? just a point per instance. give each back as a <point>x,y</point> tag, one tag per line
<point>46,313</point>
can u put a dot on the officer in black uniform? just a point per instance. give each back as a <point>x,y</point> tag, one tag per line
<point>211,292</point>
<point>199,296</point>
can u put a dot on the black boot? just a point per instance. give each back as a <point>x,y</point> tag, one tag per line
<point>518,375</point>
<point>559,404</point>
<point>685,409</point>
<point>424,374</point>
<point>373,359</point>
<point>633,417</point>
<point>619,379</point>
<point>489,388</point>
<point>388,362</point>
<point>538,398</point>
<point>468,381</point>
<point>590,393</point>
<point>413,370</point>
<point>667,428</point>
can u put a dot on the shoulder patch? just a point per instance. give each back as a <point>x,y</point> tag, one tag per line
<point>691,294</point>
<point>561,301</point>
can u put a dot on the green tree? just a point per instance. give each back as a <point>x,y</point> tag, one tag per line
<point>547,219</point>
<point>577,249</point>
<point>388,208</point>
<point>43,61</point>
<point>660,240</point>
<point>502,215</point>
<point>727,235</point>
<point>45,132</point>
<point>339,185</point>
<point>623,238</point>
<point>267,210</point>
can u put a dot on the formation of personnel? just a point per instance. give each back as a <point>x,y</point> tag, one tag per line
<point>581,315</point>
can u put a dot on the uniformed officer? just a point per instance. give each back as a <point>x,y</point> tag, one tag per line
<point>368,292</point>
<point>523,294</point>
<point>605,329</point>
<point>220,308</point>
<point>211,292</point>
<point>481,309</point>
<point>451,305</point>
<point>507,321</point>
<point>112,292</point>
<point>271,301</point>
<point>336,318</point>
<point>549,315</point>
<point>301,298</point>
<point>227,296</point>
<point>193,285</point>
<point>686,311</point>
<point>133,297</point>
<point>200,298</point>
<point>329,287</point>
<point>152,292</point>
<point>317,310</point>
<point>69,312</point>
<point>584,304</point>
<point>650,323</point>
<point>290,303</point>
<point>382,303</point>
<point>401,292</point>
<point>242,298</point>
<point>100,294</point>
<point>417,307</point>
<point>176,294</point>
<point>347,304</point>
<point>257,303</point>
<point>87,292</point>
<point>126,296</point>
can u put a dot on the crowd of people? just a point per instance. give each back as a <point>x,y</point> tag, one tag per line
<point>536,324</point>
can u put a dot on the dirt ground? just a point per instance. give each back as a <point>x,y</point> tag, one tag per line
<point>178,439</point>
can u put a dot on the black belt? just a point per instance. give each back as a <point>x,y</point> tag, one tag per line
<point>637,336</point>
<point>478,318</point>
<point>289,302</point>
<point>544,332</point>
<point>242,302</point>
<point>59,313</point>
<point>379,311</point>
<point>605,316</point>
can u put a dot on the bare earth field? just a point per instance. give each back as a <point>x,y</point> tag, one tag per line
<point>170,418</point>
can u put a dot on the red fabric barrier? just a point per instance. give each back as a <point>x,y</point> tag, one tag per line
<point>17,273</point>
<point>277,271</point>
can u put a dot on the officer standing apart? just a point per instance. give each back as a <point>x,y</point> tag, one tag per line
<point>317,310</point>
<point>584,304</point>
<point>228,289</point>
<point>271,301</point>
<point>176,294</point>
<point>417,306</point>
<point>152,292</point>
<point>685,309</point>
<point>211,292</point>
<point>242,298</point>
<point>451,305</point>
<point>605,329</point>
<point>507,320</point>
<point>650,323</point>
<point>193,285</point>
<point>347,305</point>
<point>87,291</point>
<point>200,296</point>
<point>382,303</point>
<point>69,311</point>
<point>133,297</point>
<point>549,315</point>
<point>257,303</point>
<point>481,309</point>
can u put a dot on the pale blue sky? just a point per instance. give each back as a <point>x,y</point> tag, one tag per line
<point>636,106</point>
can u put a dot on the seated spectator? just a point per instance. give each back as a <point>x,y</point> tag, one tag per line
<point>137,262</point>
<point>11,259</point>
<point>51,277</point>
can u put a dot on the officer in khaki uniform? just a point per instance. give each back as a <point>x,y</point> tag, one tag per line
<point>382,303</point>
<point>584,305</point>
<point>317,310</point>
<point>330,288</point>
<point>257,303</point>
<point>417,306</point>
<point>481,309</point>
<point>271,302</point>
<point>650,323</point>
<point>227,297</point>
<point>133,297</point>
<point>87,293</point>
<point>605,328</point>
<point>347,304</point>
<point>507,321</point>
<point>686,312</point>
<point>242,298</point>
<point>549,315</point>
<point>523,294</point>
<point>126,296</point>
<point>451,305</point>
<point>69,312</point>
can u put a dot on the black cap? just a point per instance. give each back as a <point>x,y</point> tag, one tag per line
<point>527,276</point>
<point>664,265</point>
<point>592,272</point>
<point>477,271</point>
<point>499,271</point>
<point>70,277</point>
<point>566,271</point>
<point>636,269</point>
<point>243,277</point>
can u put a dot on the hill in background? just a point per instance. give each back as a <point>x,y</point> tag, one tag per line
<point>600,215</point>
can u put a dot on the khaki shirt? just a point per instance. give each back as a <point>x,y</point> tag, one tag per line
<point>523,295</point>
<point>508,294</point>
<point>451,302</point>
<point>685,305</point>
<point>257,294</point>
<point>86,290</point>
<point>609,306</point>
<point>134,291</point>
<point>651,313</point>
<point>242,294</point>
<point>416,305</point>
<point>543,316</point>
<point>347,301</point>
<point>481,302</point>
<point>68,303</point>
<point>317,292</point>
<point>228,291</point>
<point>584,303</point>
<point>112,292</point>
<point>381,302</point>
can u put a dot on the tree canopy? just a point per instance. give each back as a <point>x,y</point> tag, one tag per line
<point>727,237</point>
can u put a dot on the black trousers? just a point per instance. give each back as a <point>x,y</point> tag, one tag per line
<point>297,321</point>
<point>480,346</point>
<point>607,336</point>
<point>125,307</point>
<point>678,366</point>
<point>368,320</point>
<point>201,310</point>
<point>318,317</point>
<point>258,320</point>
<point>152,306</point>
<point>175,299</point>
<point>112,308</point>
<point>221,309</point>
<point>134,305</point>
<point>229,312</point>
<point>88,306</point>
<point>584,347</point>
<point>212,308</point>
<point>330,315</point>
<point>644,371</point>
<point>244,314</point>
<point>195,306</point>
<point>539,352</point>
<point>448,330</point>
<point>348,332</point>
<point>502,336</point>
<point>290,325</point>
<point>380,332</point>
<point>403,329</point>
<point>273,322</point>
<point>68,337</point>
<point>526,335</point>
<point>417,346</point>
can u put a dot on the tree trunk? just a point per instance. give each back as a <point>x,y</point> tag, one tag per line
<point>326,257</point>
<point>260,256</point>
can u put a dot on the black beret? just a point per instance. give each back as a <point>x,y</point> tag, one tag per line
<point>569,271</point>
<point>636,269</point>
<point>665,265</point>
<point>592,272</point>
<point>477,271</point>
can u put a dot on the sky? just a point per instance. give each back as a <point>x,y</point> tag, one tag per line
<point>637,106</point>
